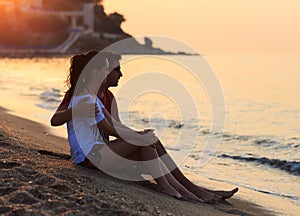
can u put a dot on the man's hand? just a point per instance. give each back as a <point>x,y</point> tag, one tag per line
<point>148,137</point>
<point>146,131</point>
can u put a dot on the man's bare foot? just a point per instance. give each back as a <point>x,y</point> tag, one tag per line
<point>224,194</point>
<point>208,197</point>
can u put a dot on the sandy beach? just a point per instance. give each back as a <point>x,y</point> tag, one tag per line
<point>36,182</point>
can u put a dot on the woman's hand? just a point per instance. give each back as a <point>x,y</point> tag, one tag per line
<point>86,109</point>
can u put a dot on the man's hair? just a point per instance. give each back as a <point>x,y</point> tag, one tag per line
<point>82,62</point>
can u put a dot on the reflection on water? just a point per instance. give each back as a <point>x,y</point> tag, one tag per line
<point>261,144</point>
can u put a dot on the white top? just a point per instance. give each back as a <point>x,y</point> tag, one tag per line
<point>83,132</point>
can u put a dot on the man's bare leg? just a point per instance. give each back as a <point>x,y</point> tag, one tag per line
<point>136,156</point>
<point>203,193</point>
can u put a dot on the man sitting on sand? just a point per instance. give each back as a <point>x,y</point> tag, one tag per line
<point>63,115</point>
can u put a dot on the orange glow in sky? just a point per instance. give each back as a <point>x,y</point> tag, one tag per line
<point>217,25</point>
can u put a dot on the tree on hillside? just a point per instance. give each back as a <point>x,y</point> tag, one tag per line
<point>107,23</point>
<point>99,2</point>
<point>117,18</point>
<point>63,5</point>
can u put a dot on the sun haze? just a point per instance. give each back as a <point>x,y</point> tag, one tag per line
<point>216,26</point>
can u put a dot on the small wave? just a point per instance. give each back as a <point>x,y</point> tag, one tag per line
<point>204,132</point>
<point>265,142</point>
<point>163,122</point>
<point>50,98</point>
<point>242,138</point>
<point>173,149</point>
<point>175,124</point>
<point>35,88</point>
<point>47,106</point>
<point>51,93</point>
<point>292,167</point>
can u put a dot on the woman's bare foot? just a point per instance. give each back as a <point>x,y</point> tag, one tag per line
<point>224,194</point>
<point>170,191</point>
<point>189,196</point>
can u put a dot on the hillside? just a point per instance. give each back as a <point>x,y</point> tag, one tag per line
<point>34,29</point>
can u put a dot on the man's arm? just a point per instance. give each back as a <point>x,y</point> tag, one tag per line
<point>113,117</point>
<point>126,133</point>
<point>113,121</point>
<point>115,111</point>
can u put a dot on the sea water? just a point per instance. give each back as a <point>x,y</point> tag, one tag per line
<point>260,146</point>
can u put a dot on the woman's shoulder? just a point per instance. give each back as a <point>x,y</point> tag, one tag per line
<point>87,98</point>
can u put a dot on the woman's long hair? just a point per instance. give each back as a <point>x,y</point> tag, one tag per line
<point>78,63</point>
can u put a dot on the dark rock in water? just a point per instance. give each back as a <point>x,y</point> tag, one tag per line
<point>179,126</point>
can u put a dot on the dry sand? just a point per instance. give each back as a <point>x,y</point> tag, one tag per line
<point>35,183</point>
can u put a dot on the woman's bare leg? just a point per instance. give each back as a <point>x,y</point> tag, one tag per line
<point>203,193</point>
<point>189,191</point>
<point>172,181</point>
<point>115,152</point>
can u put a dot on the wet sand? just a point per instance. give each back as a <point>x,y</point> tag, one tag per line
<point>33,181</point>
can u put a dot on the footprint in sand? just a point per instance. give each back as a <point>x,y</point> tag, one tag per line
<point>61,188</point>
<point>4,209</point>
<point>45,180</point>
<point>41,193</point>
<point>237,212</point>
<point>67,178</point>
<point>4,191</point>
<point>8,165</point>
<point>4,144</point>
<point>22,198</point>
<point>27,170</point>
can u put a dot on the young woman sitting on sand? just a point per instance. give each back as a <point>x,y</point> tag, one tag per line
<point>85,139</point>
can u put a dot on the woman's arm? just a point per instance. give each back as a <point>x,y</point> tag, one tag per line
<point>64,114</point>
<point>61,116</point>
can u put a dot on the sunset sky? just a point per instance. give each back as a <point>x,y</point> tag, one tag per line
<point>216,25</point>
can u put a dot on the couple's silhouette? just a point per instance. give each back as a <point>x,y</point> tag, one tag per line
<point>91,113</point>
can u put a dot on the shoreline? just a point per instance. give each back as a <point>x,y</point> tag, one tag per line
<point>34,183</point>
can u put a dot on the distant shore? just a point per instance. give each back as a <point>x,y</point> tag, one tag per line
<point>34,182</point>
<point>133,47</point>
<point>30,54</point>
